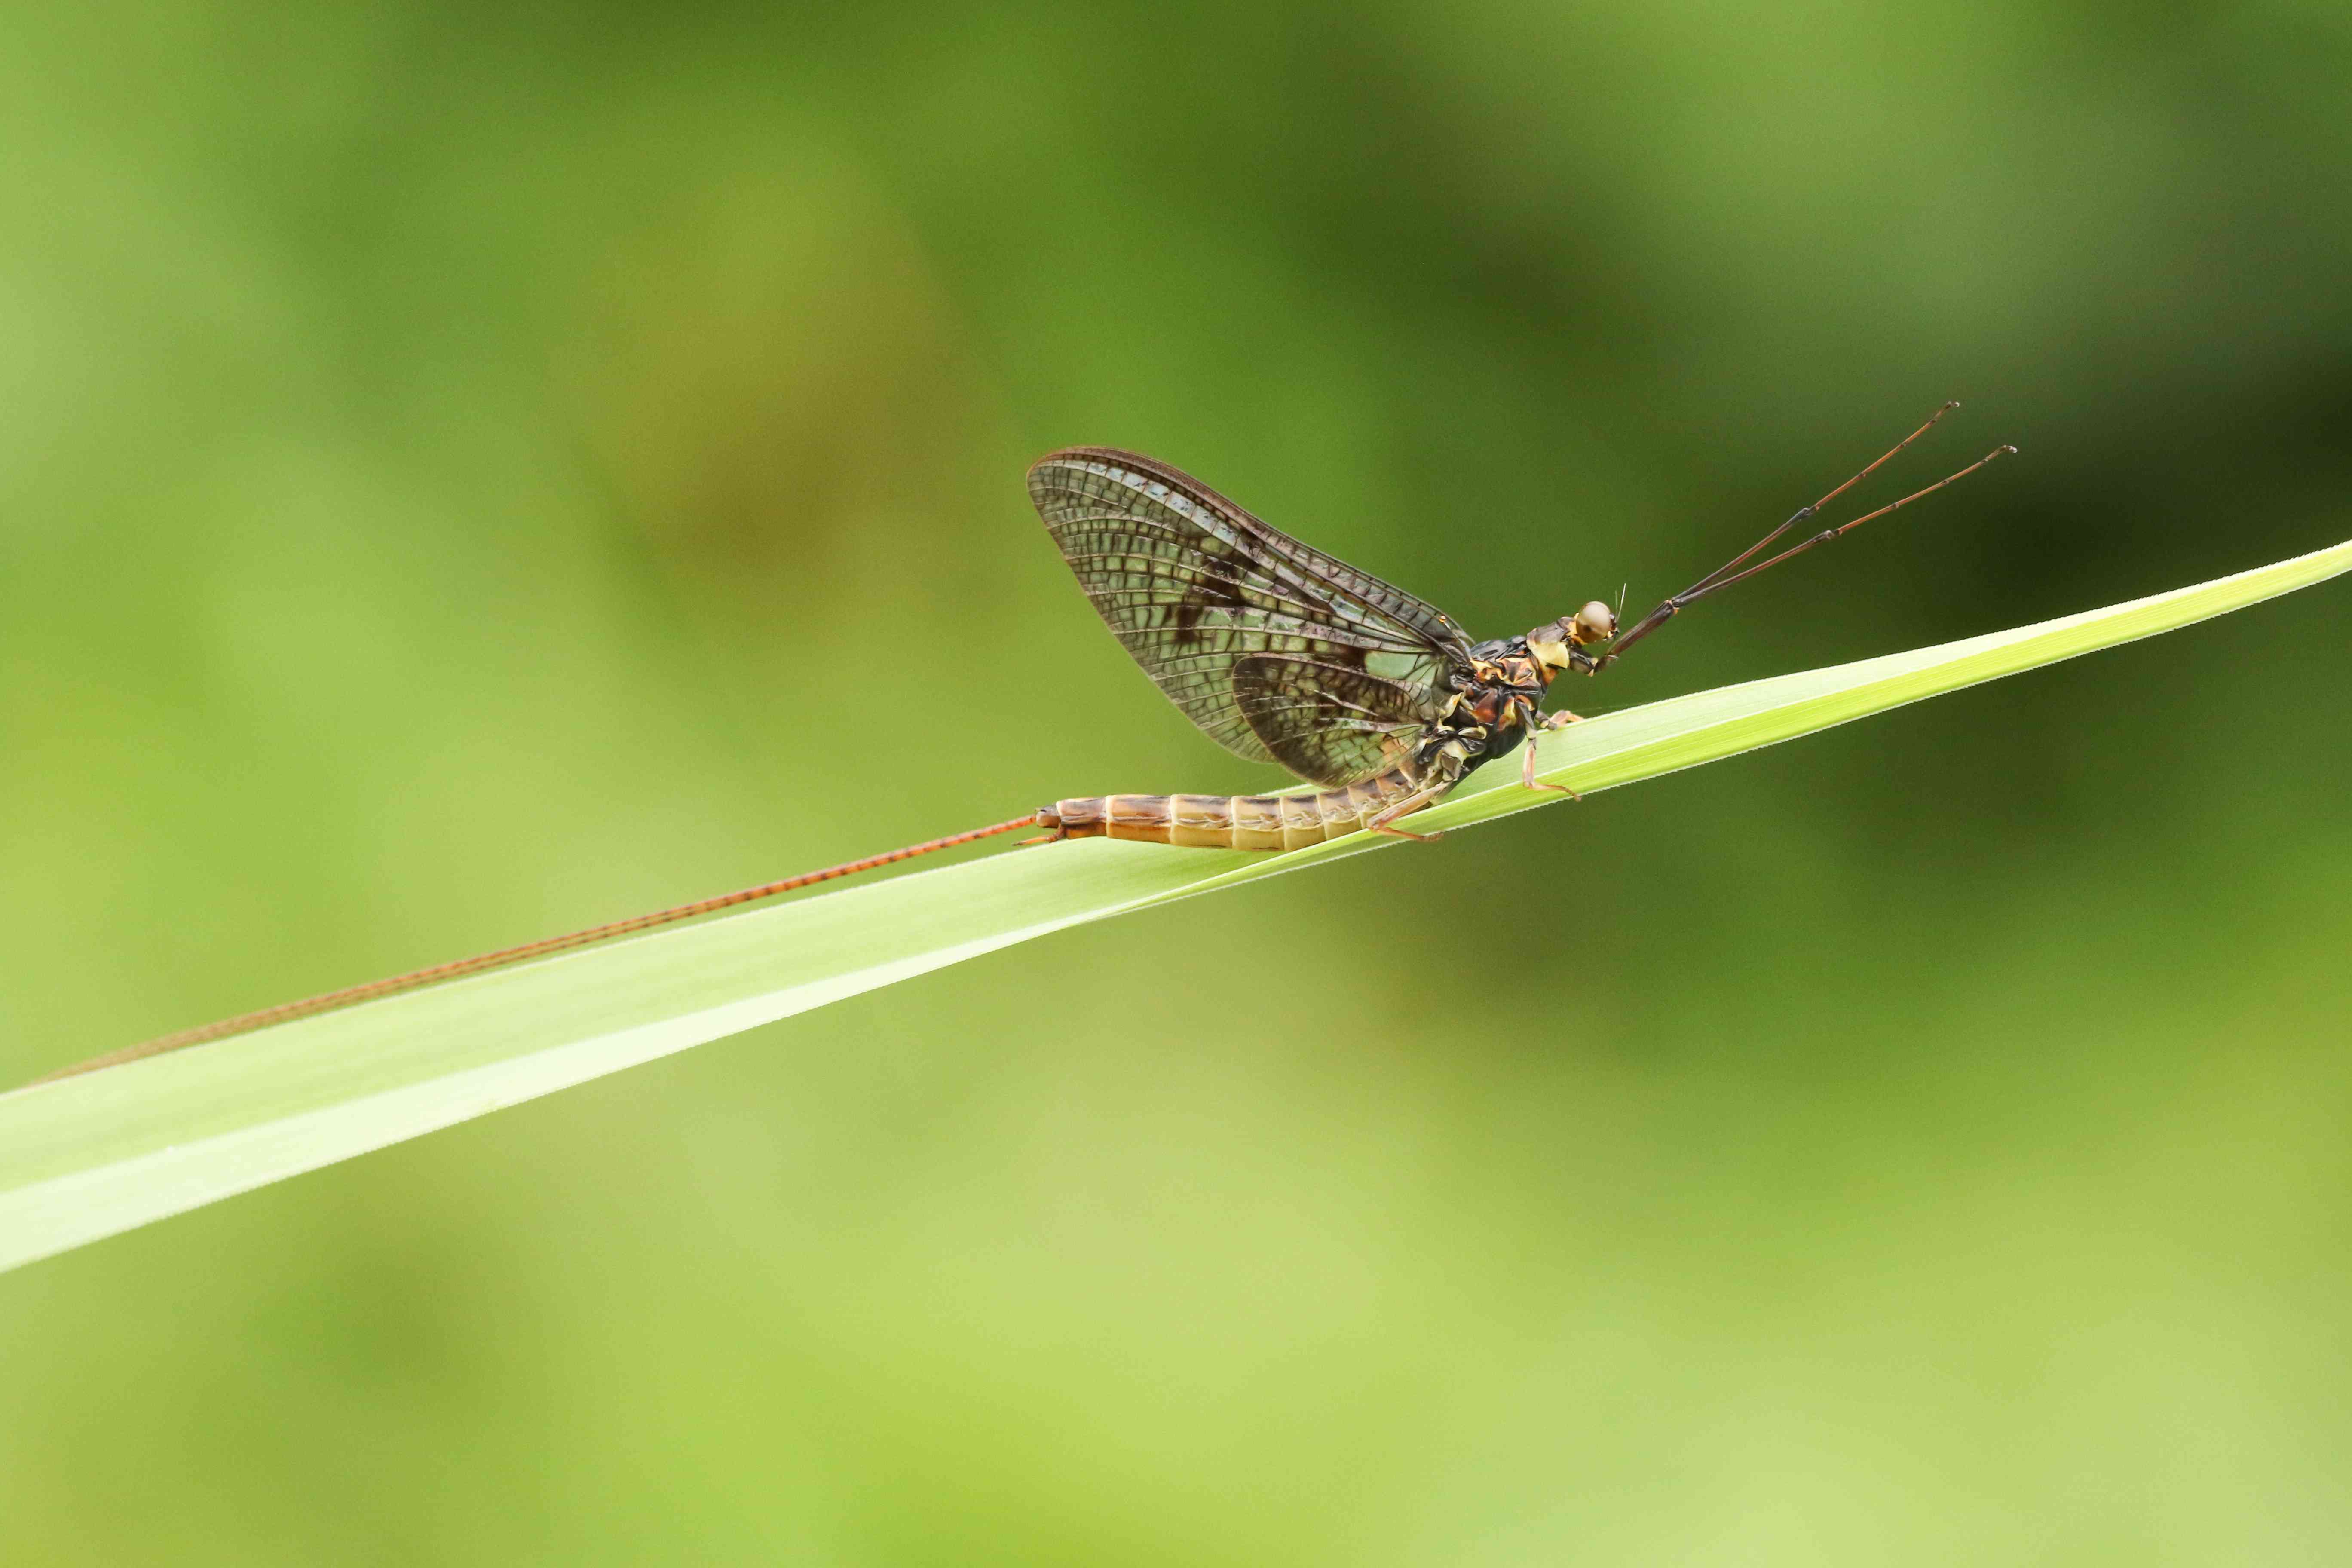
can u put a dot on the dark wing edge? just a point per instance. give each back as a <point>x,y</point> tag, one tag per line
<point>1379,599</point>
<point>1193,585</point>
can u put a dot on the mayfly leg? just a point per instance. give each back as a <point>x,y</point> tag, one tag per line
<point>1806,513</point>
<point>1559,721</point>
<point>1738,570</point>
<point>1380,822</point>
<point>1825,535</point>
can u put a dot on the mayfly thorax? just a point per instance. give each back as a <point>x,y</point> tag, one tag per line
<point>1281,653</point>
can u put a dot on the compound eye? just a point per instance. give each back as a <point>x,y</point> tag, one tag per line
<point>1595,622</point>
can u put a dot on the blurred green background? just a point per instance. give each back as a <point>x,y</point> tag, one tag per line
<point>468,472</point>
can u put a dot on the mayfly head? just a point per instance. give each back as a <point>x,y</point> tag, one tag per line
<point>1594,623</point>
<point>1554,645</point>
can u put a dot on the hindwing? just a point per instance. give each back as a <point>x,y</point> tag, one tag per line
<point>1325,723</point>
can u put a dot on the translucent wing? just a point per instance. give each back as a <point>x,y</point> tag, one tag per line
<point>1325,723</point>
<point>1193,585</point>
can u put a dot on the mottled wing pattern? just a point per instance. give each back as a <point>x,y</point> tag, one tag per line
<point>1192,584</point>
<point>1326,723</point>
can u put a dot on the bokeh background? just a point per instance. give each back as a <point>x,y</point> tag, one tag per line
<point>468,472</point>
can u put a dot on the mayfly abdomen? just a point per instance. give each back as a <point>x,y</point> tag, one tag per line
<point>1260,822</point>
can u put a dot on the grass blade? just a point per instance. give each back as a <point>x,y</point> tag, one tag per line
<point>85,1157</point>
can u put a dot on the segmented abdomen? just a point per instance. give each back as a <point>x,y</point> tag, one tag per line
<point>1230,821</point>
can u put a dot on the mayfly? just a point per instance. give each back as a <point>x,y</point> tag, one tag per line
<point>1281,653</point>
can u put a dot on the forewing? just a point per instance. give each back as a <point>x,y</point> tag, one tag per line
<point>1191,585</point>
<point>1326,723</point>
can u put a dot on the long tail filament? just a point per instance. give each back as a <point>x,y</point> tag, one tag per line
<point>285,1012</point>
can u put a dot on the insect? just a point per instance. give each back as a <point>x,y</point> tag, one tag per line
<point>1279,652</point>
<point>1283,654</point>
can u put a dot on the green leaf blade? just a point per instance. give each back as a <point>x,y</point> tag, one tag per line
<point>85,1157</point>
